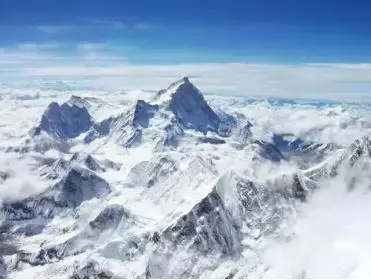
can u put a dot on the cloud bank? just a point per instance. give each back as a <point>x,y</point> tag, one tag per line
<point>345,82</point>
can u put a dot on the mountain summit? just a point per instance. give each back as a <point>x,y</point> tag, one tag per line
<point>189,106</point>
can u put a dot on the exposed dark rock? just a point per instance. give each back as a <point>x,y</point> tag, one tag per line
<point>211,140</point>
<point>190,108</point>
<point>210,227</point>
<point>79,185</point>
<point>100,129</point>
<point>143,112</point>
<point>64,121</point>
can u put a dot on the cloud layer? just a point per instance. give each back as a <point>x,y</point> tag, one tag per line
<point>52,60</point>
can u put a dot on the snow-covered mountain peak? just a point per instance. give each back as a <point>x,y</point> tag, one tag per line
<point>64,121</point>
<point>78,101</point>
<point>189,106</point>
<point>165,94</point>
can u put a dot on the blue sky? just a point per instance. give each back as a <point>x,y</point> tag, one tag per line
<point>177,31</point>
<point>282,48</point>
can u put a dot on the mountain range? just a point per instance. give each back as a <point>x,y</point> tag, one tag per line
<point>168,187</point>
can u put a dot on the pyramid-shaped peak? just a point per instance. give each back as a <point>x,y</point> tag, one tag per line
<point>184,80</point>
<point>183,85</point>
<point>189,106</point>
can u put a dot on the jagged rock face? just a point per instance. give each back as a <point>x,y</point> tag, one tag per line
<point>65,121</point>
<point>261,206</point>
<point>209,227</point>
<point>143,112</point>
<point>100,129</point>
<point>208,230</point>
<point>191,109</point>
<point>79,185</point>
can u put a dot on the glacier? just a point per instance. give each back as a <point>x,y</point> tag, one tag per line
<point>183,185</point>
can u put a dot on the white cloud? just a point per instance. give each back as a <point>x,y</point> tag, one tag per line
<point>119,25</point>
<point>330,239</point>
<point>346,82</point>
<point>324,81</point>
<point>22,182</point>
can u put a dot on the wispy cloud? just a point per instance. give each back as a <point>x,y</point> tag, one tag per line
<point>122,25</point>
<point>92,46</point>
<point>38,46</point>
<point>142,26</point>
<point>317,81</point>
<point>52,28</point>
<point>40,56</point>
